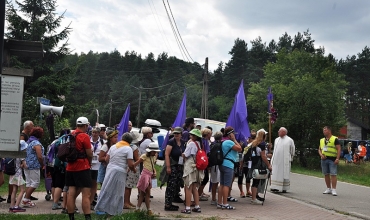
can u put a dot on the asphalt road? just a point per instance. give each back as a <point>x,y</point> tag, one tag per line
<point>351,199</point>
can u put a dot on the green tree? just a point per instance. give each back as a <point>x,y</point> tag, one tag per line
<point>357,74</point>
<point>36,20</point>
<point>308,94</point>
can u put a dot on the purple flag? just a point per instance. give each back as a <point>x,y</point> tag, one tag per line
<point>180,119</point>
<point>123,124</point>
<point>238,116</point>
<point>270,98</point>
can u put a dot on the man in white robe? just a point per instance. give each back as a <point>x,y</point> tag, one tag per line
<point>282,157</point>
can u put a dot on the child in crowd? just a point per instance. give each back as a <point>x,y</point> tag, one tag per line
<point>145,182</point>
<point>17,181</point>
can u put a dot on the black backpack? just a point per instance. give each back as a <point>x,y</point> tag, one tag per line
<point>10,166</point>
<point>67,152</point>
<point>215,155</point>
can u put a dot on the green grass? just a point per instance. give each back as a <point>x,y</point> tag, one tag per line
<point>126,216</point>
<point>4,188</point>
<point>350,173</point>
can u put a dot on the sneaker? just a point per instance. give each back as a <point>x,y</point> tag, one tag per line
<point>28,204</point>
<point>18,209</point>
<point>219,206</point>
<point>256,202</point>
<point>64,211</point>
<point>56,206</point>
<point>260,198</point>
<point>334,192</point>
<point>213,202</point>
<point>327,191</point>
<point>11,209</point>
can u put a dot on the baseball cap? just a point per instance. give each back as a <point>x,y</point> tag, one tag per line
<point>82,121</point>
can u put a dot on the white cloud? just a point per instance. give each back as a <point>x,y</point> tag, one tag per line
<point>209,27</point>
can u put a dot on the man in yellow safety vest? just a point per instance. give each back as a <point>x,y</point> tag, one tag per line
<point>329,151</point>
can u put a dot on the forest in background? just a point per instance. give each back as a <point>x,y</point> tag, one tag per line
<point>311,89</point>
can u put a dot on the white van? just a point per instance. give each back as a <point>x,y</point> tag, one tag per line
<point>215,125</point>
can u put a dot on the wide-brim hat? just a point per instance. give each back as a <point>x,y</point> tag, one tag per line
<point>136,136</point>
<point>177,130</point>
<point>263,130</point>
<point>153,147</point>
<point>196,132</point>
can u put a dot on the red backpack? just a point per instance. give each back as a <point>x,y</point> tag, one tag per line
<point>201,158</point>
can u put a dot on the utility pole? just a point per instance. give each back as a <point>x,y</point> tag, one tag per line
<point>138,111</point>
<point>204,108</point>
<point>110,111</point>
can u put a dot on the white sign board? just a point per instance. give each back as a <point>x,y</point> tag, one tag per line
<point>11,112</point>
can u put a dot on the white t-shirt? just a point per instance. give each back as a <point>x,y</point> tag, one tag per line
<point>144,145</point>
<point>118,157</point>
<point>95,147</point>
<point>191,149</point>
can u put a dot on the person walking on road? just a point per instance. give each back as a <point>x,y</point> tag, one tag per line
<point>284,150</point>
<point>329,151</point>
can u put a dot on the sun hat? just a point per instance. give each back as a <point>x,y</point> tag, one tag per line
<point>177,130</point>
<point>196,132</point>
<point>146,130</point>
<point>153,147</point>
<point>136,136</point>
<point>82,121</point>
<point>262,130</point>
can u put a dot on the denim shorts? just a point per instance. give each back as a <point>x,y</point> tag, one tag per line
<point>226,176</point>
<point>328,167</point>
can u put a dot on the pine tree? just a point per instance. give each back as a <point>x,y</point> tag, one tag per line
<point>36,20</point>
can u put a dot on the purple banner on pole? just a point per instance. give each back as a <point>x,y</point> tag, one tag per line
<point>270,98</point>
<point>179,121</point>
<point>123,124</point>
<point>238,116</point>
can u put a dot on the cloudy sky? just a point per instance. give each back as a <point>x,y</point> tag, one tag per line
<point>209,27</point>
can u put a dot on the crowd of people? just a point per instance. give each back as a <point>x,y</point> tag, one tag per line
<point>120,164</point>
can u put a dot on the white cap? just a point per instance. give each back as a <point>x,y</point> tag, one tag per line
<point>82,121</point>
<point>153,147</point>
<point>102,126</point>
<point>262,130</point>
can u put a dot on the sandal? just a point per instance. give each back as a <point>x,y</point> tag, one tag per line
<point>242,195</point>
<point>196,210</point>
<point>231,199</point>
<point>186,211</point>
<point>229,207</point>
<point>128,207</point>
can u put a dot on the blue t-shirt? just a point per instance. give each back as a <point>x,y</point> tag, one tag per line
<point>31,158</point>
<point>232,155</point>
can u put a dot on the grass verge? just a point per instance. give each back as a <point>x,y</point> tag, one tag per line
<point>350,173</point>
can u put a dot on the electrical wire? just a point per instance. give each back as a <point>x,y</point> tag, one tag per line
<point>174,33</point>
<point>169,7</point>
<point>168,45</point>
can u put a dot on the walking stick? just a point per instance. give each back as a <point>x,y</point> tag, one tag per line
<point>264,195</point>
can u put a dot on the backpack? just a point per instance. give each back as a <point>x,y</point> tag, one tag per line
<point>53,153</point>
<point>201,158</point>
<point>9,166</point>
<point>216,155</point>
<point>67,152</point>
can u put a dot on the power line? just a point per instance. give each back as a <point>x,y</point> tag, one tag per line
<point>178,30</point>
<point>174,33</point>
<point>168,45</point>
